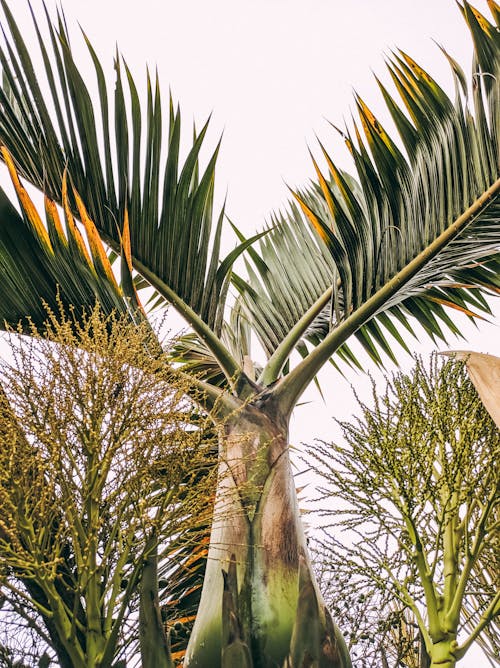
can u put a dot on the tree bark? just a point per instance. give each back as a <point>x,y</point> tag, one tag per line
<point>258,557</point>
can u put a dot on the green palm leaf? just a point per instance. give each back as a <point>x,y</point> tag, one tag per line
<point>63,274</point>
<point>174,240</point>
<point>197,360</point>
<point>287,275</point>
<point>415,233</point>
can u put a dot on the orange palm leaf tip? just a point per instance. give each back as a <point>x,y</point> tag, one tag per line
<point>483,22</point>
<point>370,122</point>
<point>54,220</point>
<point>313,219</point>
<point>494,8</point>
<point>417,70</point>
<point>73,230</point>
<point>462,309</point>
<point>339,181</point>
<point>325,189</point>
<point>95,242</point>
<point>126,243</point>
<point>406,88</point>
<point>127,279</point>
<point>25,201</point>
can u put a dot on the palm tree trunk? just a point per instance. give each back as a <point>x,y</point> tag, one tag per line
<point>258,562</point>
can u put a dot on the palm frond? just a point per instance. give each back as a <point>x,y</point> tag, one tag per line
<point>136,176</point>
<point>47,268</point>
<point>415,233</point>
<point>291,270</point>
<point>197,360</point>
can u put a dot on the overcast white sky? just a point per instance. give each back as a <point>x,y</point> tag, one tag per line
<point>273,72</point>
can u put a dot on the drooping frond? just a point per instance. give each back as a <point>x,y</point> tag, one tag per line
<point>46,267</point>
<point>123,161</point>
<point>415,233</point>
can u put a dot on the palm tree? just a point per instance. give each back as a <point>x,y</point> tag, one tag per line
<point>414,233</point>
